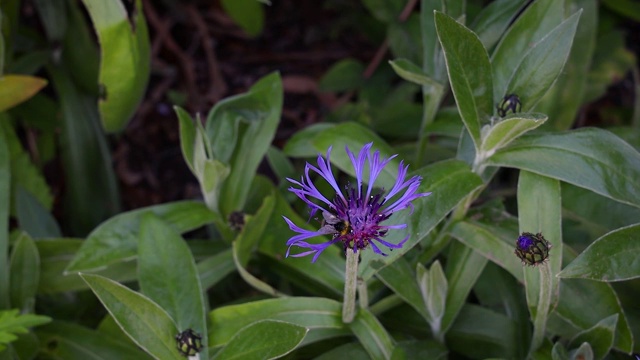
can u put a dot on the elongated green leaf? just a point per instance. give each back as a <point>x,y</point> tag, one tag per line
<point>15,89</point>
<point>493,19</point>
<point>563,100</point>
<point>397,276</point>
<point>450,182</point>
<point>507,130</point>
<point>55,256</point>
<point>598,214</point>
<point>167,275</point>
<point>115,240</point>
<point>533,25</point>
<point>63,340</point>
<point>591,158</point>
<point>85,155</point>
<point>351,351</point>
<point>24,272</point>
<point>33,217</point>
<point>53,15</point>
<point>372,335</point>
<point>267,339</point>
<point>148,325</point>
<point>469,73</point>
<point>411,72</point>
<point>81,53</point>
<point>542,64</point>
<point>539,211</point>
<point>485,240</point>
<point>125,62</point>
<point>301,143</point>
<point>600,337</point>
<point>434,288</point>
<point>420,349</point>
<point>610,258</point>
<point>584,303</point>
<point>480,333</point>
<point>464,266</point>
<point>188,134</point>
<point>5,182</point>
<point>345,75</point>
<point>215,268</point>
<point>259,112</point>
<point>321,316</point>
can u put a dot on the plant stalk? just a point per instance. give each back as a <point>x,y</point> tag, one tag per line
<point>350,286</point>
<point>544,302</point>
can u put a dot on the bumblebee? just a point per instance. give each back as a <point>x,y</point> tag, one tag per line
<point>509,102</point>
<point>333,225</point>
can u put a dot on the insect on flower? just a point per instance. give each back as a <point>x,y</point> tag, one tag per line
<point>354,218</point>
<point>509,102</point>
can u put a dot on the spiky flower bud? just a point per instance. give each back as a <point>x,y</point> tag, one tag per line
<point>532,249</point>
<point>189,342</point>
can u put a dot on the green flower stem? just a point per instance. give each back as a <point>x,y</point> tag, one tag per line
<point>544,302</point>
<point>363,293</point>
<point>350,286</point>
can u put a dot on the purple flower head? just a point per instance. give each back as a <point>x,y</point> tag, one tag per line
<point>532,249</point>
<point>355,217</point>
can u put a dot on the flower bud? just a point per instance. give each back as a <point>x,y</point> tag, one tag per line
<point>532,249</point>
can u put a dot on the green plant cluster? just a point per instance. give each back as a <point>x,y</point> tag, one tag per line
<point>499,87</point>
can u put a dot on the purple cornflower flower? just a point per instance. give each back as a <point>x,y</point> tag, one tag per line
<point>353,218</point>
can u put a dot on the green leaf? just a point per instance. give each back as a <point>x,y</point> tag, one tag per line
<point>600,337</point>
<point>301,143</point>
<point>80,50</point>
<point>249,14</point>
<point>24,172</point>
<point>610,258</point>
<point>215,268</point>
<point>479,333</point>
<point>411,72</point>
<point>584,303</point>
<point>70,341</point>
<point>321,316</point>
<point>266,339</point>
<point>345,75</point>
<point>55,256</point>
<point>24,273</point>
<point>469,73</point>
<point>464,267</point>
<point>531,27</point>
<point>11,323</point>
<point>258,114</point>
<point>450,182</point>
<point>351,351</point>
<point>566,96</point>
<point>419,349</point>
<point>487,240</point>
<point>542,64</point>
<point>583,352</point>
<point>125,59</point>
<point>372,335</point>
<point>167,275</point>
<point>503,132</point>
<point>591,158</point>
<point>433,287</point>
<point>15,89</point>
<point>5,182</point>
<point>404,38</point>
<point>397,277</point>
<point>85,155</point>
<point>53,15</point>
<point>116,239</point>
<point>146,323</point>
<point>33,217</point>
<point>626,8</point>
<point>597,214</point>
<point>493,20</point>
